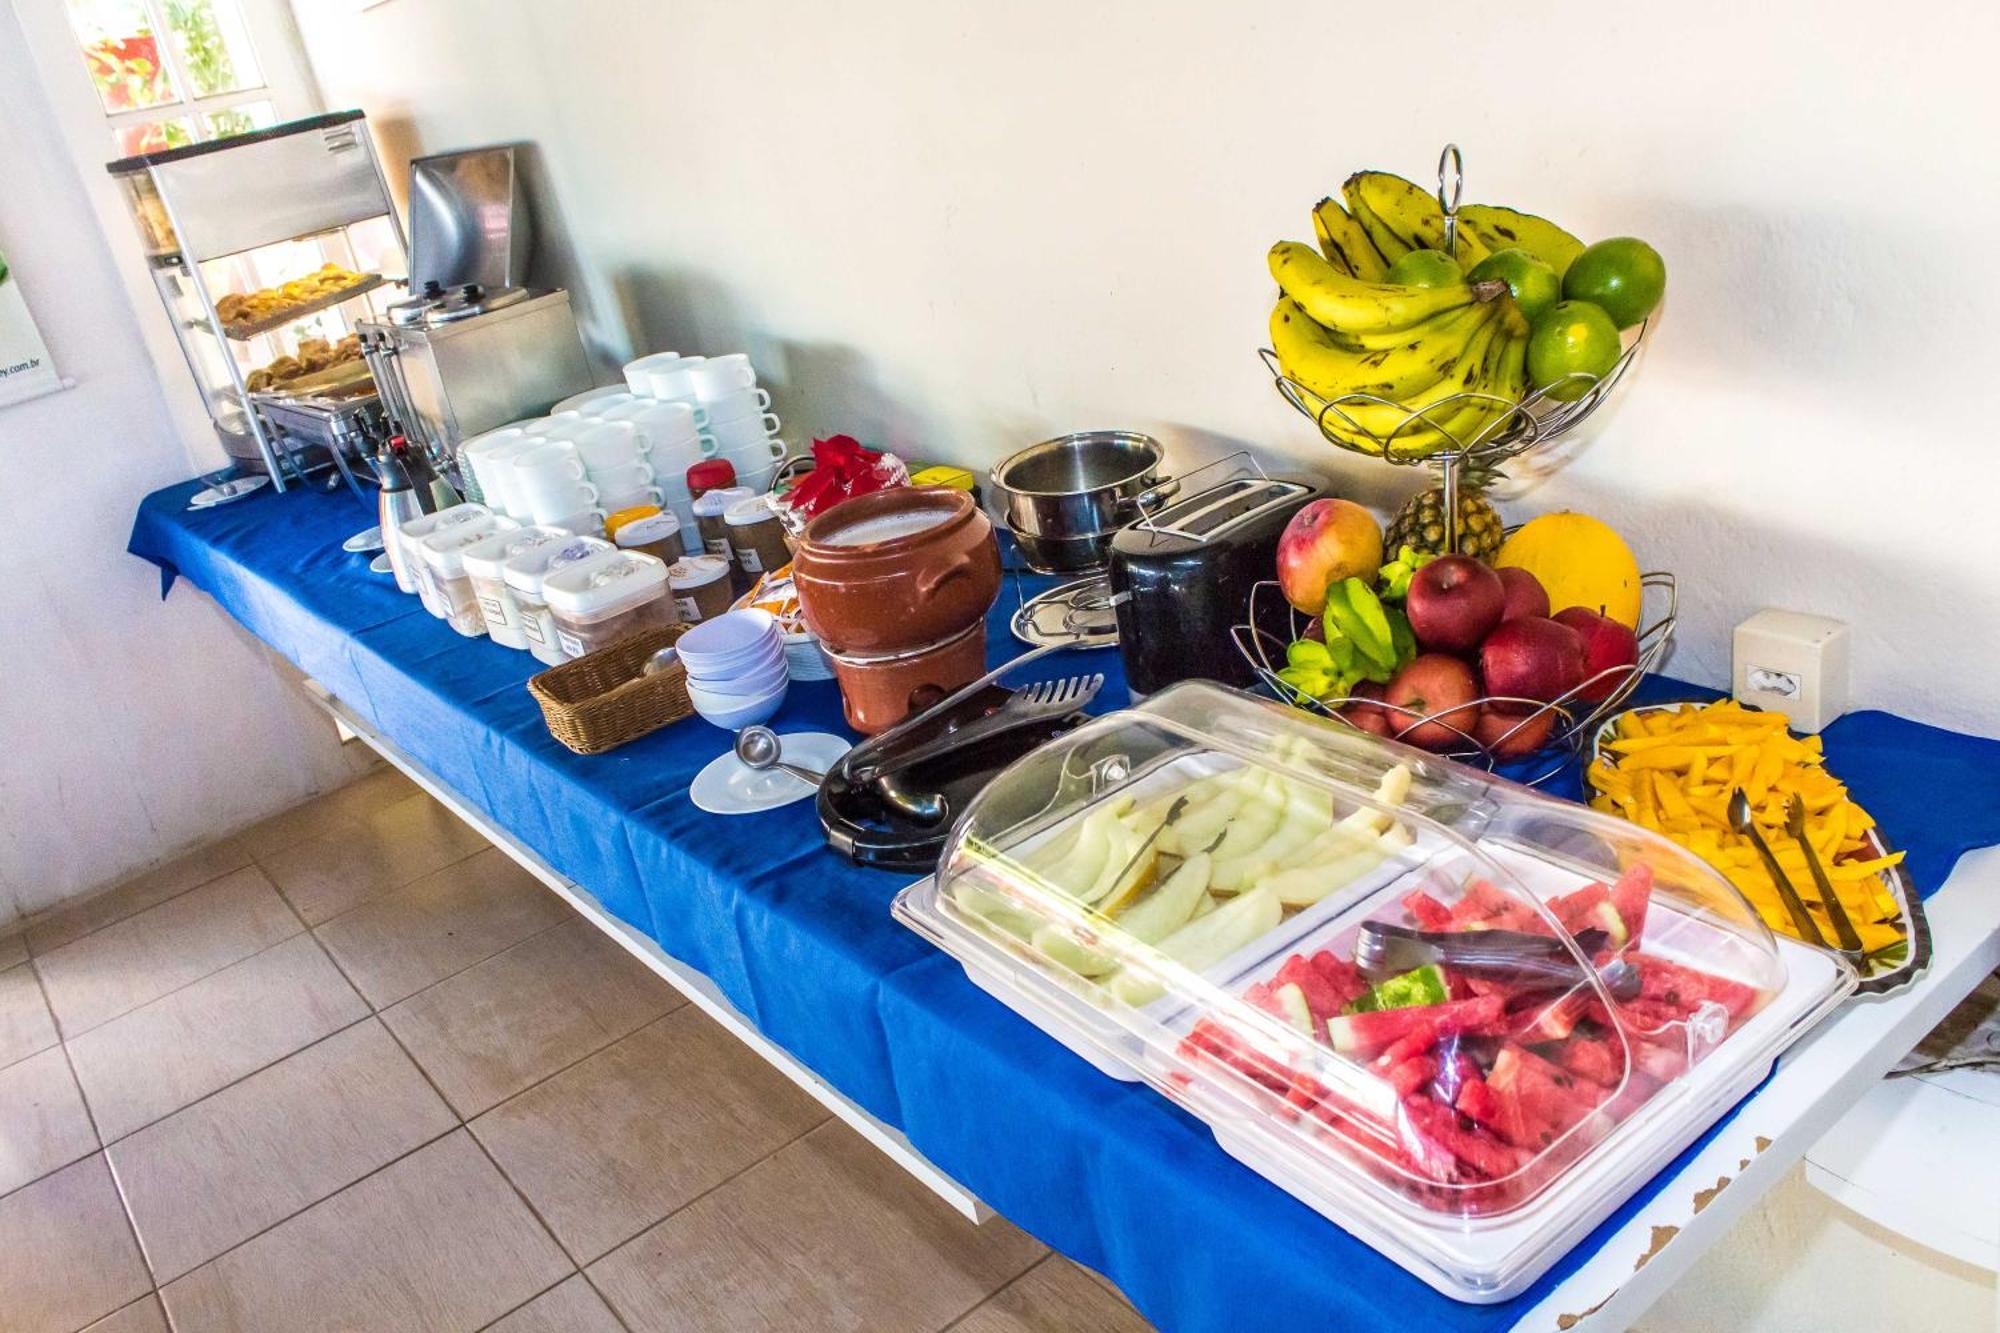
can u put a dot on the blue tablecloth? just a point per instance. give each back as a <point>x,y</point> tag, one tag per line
<point>803,943</point>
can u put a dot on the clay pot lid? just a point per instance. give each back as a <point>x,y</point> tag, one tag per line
<point>894,510</point>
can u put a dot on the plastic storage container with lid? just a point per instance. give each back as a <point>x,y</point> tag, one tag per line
<point>524,574</point>
<point>599,602</point>
<point>443,554</point>
<point>485,564</point>
<point>1461,1019</point>
<point>412,534</point>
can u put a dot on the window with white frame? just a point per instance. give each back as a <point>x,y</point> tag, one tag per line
<point>172,72</point>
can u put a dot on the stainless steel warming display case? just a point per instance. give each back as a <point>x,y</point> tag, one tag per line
<point>267,250</point>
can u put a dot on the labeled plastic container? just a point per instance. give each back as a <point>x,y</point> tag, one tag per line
<point>412,535</point>
<point>709,508</point>
<point>1460,1019</point>
<point>656,533</point>
<point>524,574</point>
<point>486,565</point>
<point>700,586</point>
<point>443,556</point>
<point>599,602</point>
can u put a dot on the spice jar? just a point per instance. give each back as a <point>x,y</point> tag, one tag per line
<point>756,536</point>
<point>709,508</point>
<point>700,586</point>
<point>443,555</point>
<point>524,574</point>
<point>598,602</point>
<point>657,534</point>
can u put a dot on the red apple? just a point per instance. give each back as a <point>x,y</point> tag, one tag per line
<point>1454,602</point>
<point>1606,644</point>
<point>1511,735</point>
<point>1369,717</point>
<point>1327,541</point>
<point>1532,658</point>
<point>1525,594</point>
<point>1439,689</point>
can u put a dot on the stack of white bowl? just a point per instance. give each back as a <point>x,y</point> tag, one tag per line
<point>731,409</point>
<point>736,673</point>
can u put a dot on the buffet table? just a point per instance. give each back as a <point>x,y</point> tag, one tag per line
<point>797,949</point>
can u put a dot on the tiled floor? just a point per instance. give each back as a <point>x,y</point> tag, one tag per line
<point>353,1069</point>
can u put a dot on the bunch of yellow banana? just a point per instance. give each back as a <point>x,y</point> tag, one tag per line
<point>1407,369</point>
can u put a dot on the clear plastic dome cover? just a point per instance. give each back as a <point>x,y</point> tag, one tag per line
<point>1456,1016</point>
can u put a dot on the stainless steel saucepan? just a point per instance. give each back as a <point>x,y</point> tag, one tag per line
<point>1065,497</point>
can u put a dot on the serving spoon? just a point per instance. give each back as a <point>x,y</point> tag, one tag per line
<point>1740,819</point>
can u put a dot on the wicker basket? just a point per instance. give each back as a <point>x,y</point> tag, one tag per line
<point>603,699</point>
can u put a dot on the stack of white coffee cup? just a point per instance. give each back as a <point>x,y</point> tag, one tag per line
<point>731,409</point>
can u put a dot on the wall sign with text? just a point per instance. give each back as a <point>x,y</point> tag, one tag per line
<point>25,369</point>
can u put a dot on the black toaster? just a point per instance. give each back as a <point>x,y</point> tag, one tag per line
<point>1181,579</point>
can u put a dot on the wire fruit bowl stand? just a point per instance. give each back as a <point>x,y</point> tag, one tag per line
<point>1510,430</point>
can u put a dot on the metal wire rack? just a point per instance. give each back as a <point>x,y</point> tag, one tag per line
<point>1545,734</point>
<point>1513,428</point>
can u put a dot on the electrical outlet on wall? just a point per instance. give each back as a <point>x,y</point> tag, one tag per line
<point>1794,664</point>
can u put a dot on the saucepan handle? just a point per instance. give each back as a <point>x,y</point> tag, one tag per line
<point>1157,494</point>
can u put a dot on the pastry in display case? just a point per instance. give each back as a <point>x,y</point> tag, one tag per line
<point>1462,1020</point>
<point>267,249</point>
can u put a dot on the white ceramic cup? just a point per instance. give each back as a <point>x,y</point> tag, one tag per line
<point>601,408</point>
<point>662,423</point>
<point>487,456</point>
<point>611,502</point>
<point>675,381</point>
<point>552,504</point>
<point>583,523</point>
<point>552,428</point>
<point>622,477</point>
<point>609,444</point>
<point>737,404</point>
<point>590,401</point>
<point>636,371</point>
<point>720,375</point>
<point>744,435</point>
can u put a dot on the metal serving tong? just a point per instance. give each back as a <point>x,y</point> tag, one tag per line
<point>1384,950</point>
<point>1836,911</point>
<point>1742,821</point>
<point>1025,706</point>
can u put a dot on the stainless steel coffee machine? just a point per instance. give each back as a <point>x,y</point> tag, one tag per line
<point>471,348</point>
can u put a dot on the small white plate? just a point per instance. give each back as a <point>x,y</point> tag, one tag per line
<point>368,539</point>
<point>730,787</point>
<point>227,491</point>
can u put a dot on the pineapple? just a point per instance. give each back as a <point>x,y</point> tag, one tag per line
<point>1420,523</point>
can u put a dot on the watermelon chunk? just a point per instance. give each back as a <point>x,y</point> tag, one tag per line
<point>1631,895</point>
<point>1323,997</point>
<point>1427,912</point>
<point>1409,1075</point>
<point>1364,1034</point>
<point>1538,1101</point>
<point>1410,1045</point>
<point>1486,907</point>
<point>1591,908</point>
<point>1595,1058</point>
<point>1476,1101</point>
<point>1475,1155</point>
<point>1686,989</point>
<point>1344,977</point>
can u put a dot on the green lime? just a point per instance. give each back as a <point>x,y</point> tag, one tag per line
<point>1624,275</point>
<point>1534,284</point>
<point>1426,268</point>
<point>1575,338</point>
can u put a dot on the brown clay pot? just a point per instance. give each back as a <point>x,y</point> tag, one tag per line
<point>897,570</point>
<point>878,692</point>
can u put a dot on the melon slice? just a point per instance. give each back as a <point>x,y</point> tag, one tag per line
<point>1365,1034</point>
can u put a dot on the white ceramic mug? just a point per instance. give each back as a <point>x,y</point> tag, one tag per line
<point>583,523</point>
<point>636,371</point>
<point>622,476</point>
<point>720,375</point>
<point>487,456</point>
<point>609,444</point>
<point>663,423</point>
<point>611,503</point>
<point>744,435</point>
<point>737,404</point>
<point>552,428</point>
<point>552,504</point>
<point>673,382</point>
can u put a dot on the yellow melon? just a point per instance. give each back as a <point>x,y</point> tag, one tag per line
<point>1580,561</point>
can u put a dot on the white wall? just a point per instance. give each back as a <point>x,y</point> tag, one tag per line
<point>957,228</point>
<point>133,728</point>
